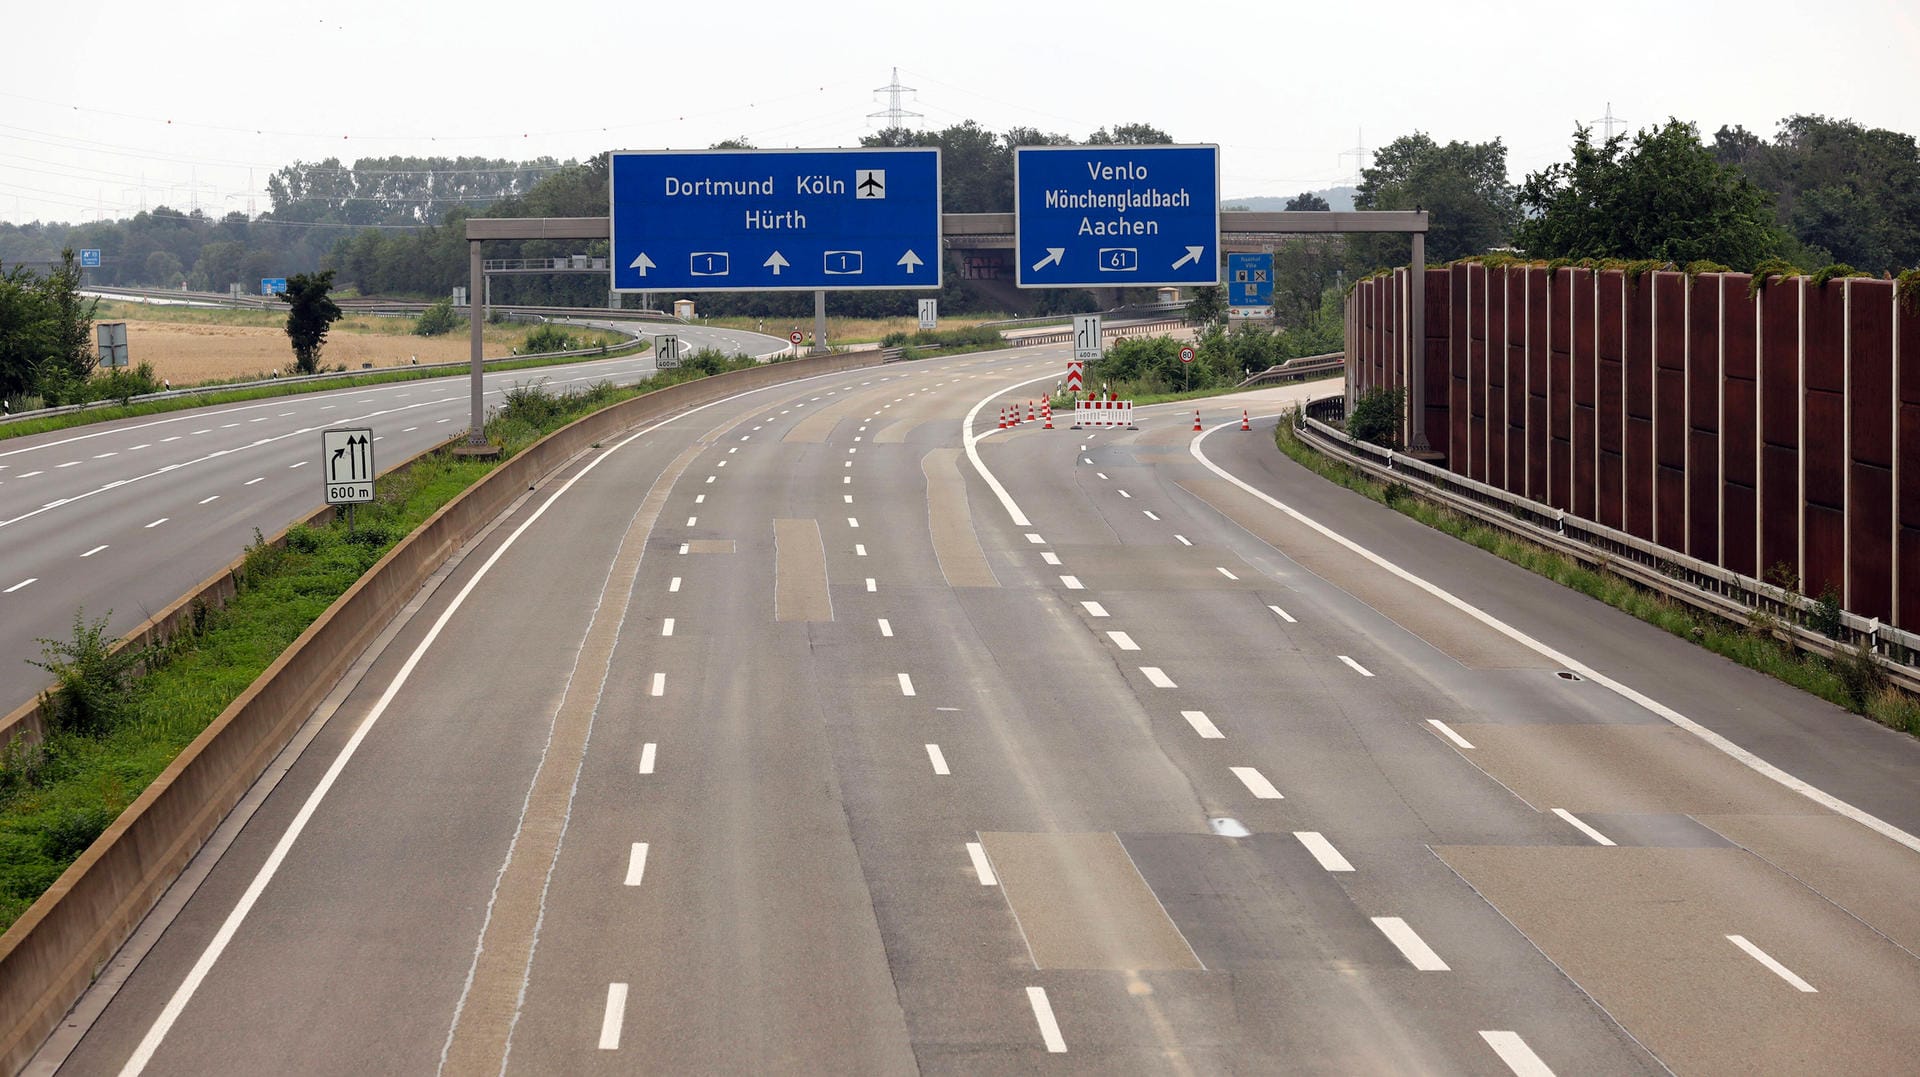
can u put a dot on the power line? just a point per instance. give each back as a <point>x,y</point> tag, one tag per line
<point>894,113</point>
<point>1608,121</point>
<point>1359,153</point>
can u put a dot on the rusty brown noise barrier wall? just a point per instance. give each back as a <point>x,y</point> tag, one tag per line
<point>50,955</point>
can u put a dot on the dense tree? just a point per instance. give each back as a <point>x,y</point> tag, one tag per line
<point>1463,185</point>
<point>46,332</point>
<point>1665,198</point>
<point>1307,200</point>
<point>1130,134</point>
<point>311,312</point>
<point>1846,193</point>
<point>1207,306</point>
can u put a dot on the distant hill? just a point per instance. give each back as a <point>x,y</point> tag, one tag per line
<point>1338,198</point>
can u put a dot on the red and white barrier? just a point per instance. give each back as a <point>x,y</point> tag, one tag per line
<point>1102,413</point>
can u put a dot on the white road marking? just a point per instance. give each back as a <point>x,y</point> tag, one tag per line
<point>886,629</point>
<point>659,685</point>
<point>722,463</point>
<point>1447,731</point>
<point>1049,1028</point>
<point>209,500</point>
<point>175,437</point>
<point>1283,615</point>
<point>852,522</point>
<point>615,1015</point>
<point>692,520</point>
<point>1103,475</point>
<point>978,854</point>
<point>158,522</point>
<point>142,445</point>
<point>857,437</point>
<point>1124,494</point>
<point>250,482</point>
<point>1094,609</point>
<point>1516,1054</point>
<point>302,463</point>
<point>1050,557</point>
<point>1086,459</point>
<point>29,474</point>
<point>906,685</point>
<point>1035,539</point>
<point>261,419</point>
<point>846,480</point>
<point>1203,725</point>
<point>646,757</point>
<point>1183,540</point>
<point>939,761</point>
<point>871,585</point>
<point>1357,667</point>
<point>699,499</point>
<point>1411,945</point>
<point>19,585</point>
<point>860,549</point>
<point>1123,641</point>
<point>710,478</point>
<point>70,463</point>
<point>93,551</point>
<point>1582,827</point>
<point>1221,569</point>
<point>1256,783</point>
<point>847,499</point>
<point>666,627</point>
<point>409,430</point>
<point>733,450</point>
<point>1149,515</point>
<point>1156,677</point>
<point>1072,583</point>
<point>636,863</point>
<point>673,584</point>
<point>683,549</point>
<point>104,455</point>
<point>207,430</point>
<point>1323,850</point>
<point>846,463</point>
<point>1777,968</point>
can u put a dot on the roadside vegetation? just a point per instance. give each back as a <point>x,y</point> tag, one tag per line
<point>118,720</point>
<point>1853,679</point>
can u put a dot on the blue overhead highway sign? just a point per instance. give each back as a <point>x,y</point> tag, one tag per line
<point>273,285</point>
<point>1250,285</point>
<point>90,258</point>
<point>776,220</point>
<point>1116,216</point>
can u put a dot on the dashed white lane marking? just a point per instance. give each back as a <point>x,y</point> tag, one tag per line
<point>175,437</point>
<point>1049,1028</point>
<point>1357,667</point>
<point>744,437</point>
<point>1256,783</point>
<point>1447,731</point>
<point>886,629</point>
<point>846,463</point>
<point>1050,557</point>
<point>906,685</point>
<point>70,463</point>
<point>1149,515</point>
<point>1516,1054</point>
<point>1183,540</point>
<point>104,455</point>
<point>615,1015</point>
<point>1157,677</point>
<point>1124,494</point>
<point>409,430</point>
<point>699,499</point>
<point>1086,459</point>
<point>158,522</point>
<point>673,584</point>
<point>860,549</point>
<point>209,500</point>
<point>850,452</point>
<point>666,627</point>
<point>250,482</point>
<point>1222,570</point>
<point>29,475</point>
<point>1123,641</point>
<point>857,437</point>
<point>939,761</point>
<point>692,520</point>
<point>683,549</point>
<point>846,499</point>
<point>1411,945</point>
<point>142,445</point>
<point>646,757</point>
<point>978,854</point>
<point>261,419</point>
<point>207,430</point>
<point>1203,725</point>
<point>1094,609</point>
<point>1103,475</point>
<point>853,521</point>
<point>871,585</point>
<point>19,585</point>
<point>1283,615</point>
<point>659,687</point>
<point>1323,850</point>
<point>1582,827</point>
<point>1072,583</point>
<point>302,463</point>
<point>1035,539</point>
<point>93,551</point>
<point>636,863</point>
<point>722,463</point>
<point>1776,967</point>
<point>710,478</point>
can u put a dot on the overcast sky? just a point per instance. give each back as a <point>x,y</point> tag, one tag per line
<point>111,105</point>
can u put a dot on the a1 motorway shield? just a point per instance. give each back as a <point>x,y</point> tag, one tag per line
<point>1116,216</point>
<point>776,220</point>
<point>346,463</point>
<point>1250,284</point>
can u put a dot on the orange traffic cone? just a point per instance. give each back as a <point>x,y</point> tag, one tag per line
<point>1048,416</point>
<point>1003,416</point>
<point>1244,424</point>
<point>1196,418</point>
<point>1030,414</point>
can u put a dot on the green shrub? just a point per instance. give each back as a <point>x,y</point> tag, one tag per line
<point>72,830</point>
<point>1825,618</point>
<point>547,338</point>
<point>1861,677</point>
<point>437,319</point>
<point>92,682</point>
<point>1376,417</point>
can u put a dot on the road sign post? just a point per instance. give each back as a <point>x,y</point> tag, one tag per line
<point>775,220</point>
<point>666,352</point>
<point>90,258</point>
<point>273,285</point>
<point>112,340</point>
<point>1116,216</point>
<point>1250,285</point>
<point>929,313</point>
<point>1086,338</point>
<point>346,467</point>
<point>1186,367</point>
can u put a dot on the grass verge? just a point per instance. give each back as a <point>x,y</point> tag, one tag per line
<point>111,738</point>
<point>1851,680</point>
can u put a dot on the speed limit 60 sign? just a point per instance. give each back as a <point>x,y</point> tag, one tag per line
<point>346,463</point>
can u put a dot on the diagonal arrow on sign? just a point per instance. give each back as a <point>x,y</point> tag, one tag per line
<point>641,263</point>
<point>911,261</point>
<point>1054,254</point>
<point>1193,255</point>
<point>775,261</point>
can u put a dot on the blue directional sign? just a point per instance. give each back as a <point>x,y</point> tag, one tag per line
<point>1116,216</point>
<point>1250,285</point>
<point>90,259</point>
<point>273,285</point>
<point>776,220</point>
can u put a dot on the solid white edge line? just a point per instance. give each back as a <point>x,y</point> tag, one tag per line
<point>636,863</point>
<point>1745,757</point>
<point>1516,1054</point>
<point>614,1017</point>
<point>1357,667</point>
<point>1256,783</point>
<point>647,752</point>
<point>971,441</point>
<point>1323,850</point>
<point>1448,732</point>
<point>977,853</point>
<point>1049,1028</point>
<point>1582,827</point>
<point>1411,945</point>
<point>1775,967</point>
<point>1203,725</point>
<point>938,759</point>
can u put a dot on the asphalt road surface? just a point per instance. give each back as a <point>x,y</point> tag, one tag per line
<point>783,738</point>
<point>128,516</point>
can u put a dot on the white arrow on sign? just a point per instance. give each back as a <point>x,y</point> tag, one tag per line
<point>776,262</point>
<point>911,261</point>
<point>1054,254</point>
<point>642,263</point>
<point>1193,255</point>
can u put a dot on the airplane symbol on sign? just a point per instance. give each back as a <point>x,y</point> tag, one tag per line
<point>872,183</point>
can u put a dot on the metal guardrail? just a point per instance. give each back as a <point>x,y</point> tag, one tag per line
<point>1131,329</point>
<point>1704,586</point>
<point>1300,369</point>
